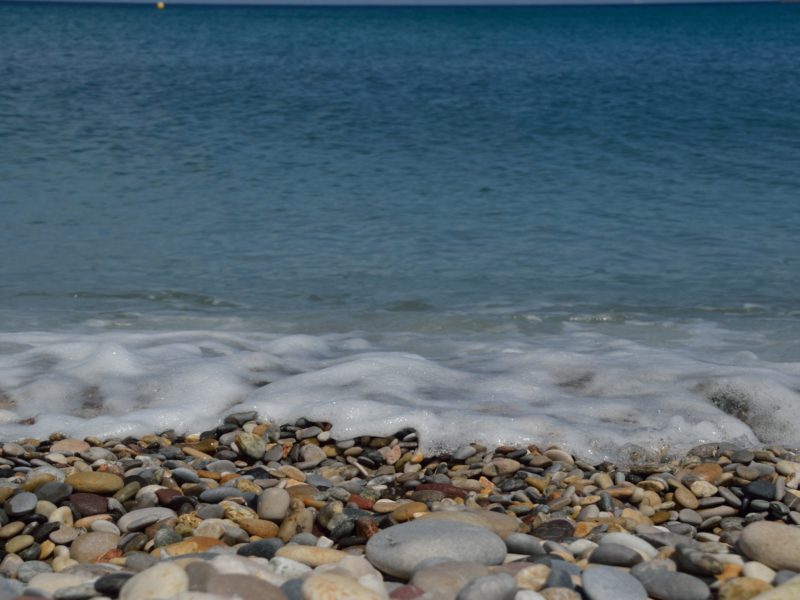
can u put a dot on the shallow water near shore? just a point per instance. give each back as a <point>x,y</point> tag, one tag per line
<point>551,225</point>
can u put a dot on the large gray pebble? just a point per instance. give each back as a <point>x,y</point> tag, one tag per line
<point>497,587</point>
<point>664,584</point>
<point>775,544</point>
<point>610,583</point>
<point>397,549</point>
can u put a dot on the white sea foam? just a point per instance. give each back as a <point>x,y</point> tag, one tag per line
<point>601,393</point>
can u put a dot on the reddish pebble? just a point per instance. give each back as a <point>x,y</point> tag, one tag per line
<point>406,592</point>
<point>447,489</point>
<point>165,496</point>
<point>360,501</point>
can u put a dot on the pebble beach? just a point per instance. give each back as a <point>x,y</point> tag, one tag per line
<point>260,511</point>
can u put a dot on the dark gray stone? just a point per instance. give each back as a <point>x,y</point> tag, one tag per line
<point>110,585</point>
<point>522,543</point>
<point>663,584</point>
<point>615,555</point>
<point>610,583</point>
<point>21,504</point>
<point>262,548</point>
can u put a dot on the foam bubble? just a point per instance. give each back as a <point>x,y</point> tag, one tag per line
<point>598,394</point>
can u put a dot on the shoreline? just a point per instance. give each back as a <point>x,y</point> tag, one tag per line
<point>267,511</point>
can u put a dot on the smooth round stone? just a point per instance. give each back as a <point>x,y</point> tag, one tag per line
<point>243,587</point>
<point>64,535</point>
<point>251,445</point>
<point>501,524</point>
<point>464,452</point>
<point>21,504</point>
<point>312,456</point>
<point>758,570</point>
<point>692,517</point>
<point>760,489</point>
<point>166,536</point>
<point>88,547</point>
<point>686,498</point>
<point>703,489</point>
<point>312,556</point>
<point>13,449</point>
<point>89,504</point>
<point>69,446</point>
<point>217,495</point>
<point>221,466</point>
<point>54,491</point>
<point>162,580</point>
<point>441,575</point>
<point>522,543</point>
<point>50,583</point>
<point>615,555</point>
<point>665,584</point>
<point>498,587</point>
<point>631,541</point>
<point>787,467</point>
<point>18,543</point>
<point>397,549</point>
<point>10,588</point>
<point>609,583</point>
<point>31,569</point>
<point>211,511</point>
<point>137,520</point>
<point>332,586</point>
<point>261,548</point>
<point>184,475</point>
<point>96,482</point>
<point>273,504</point>
<point>774,544</point>
<point>288,568</point>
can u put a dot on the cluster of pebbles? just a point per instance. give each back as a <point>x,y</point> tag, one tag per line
<point>256,511</point>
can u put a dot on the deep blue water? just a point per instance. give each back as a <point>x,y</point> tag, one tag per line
<point>282,159</point>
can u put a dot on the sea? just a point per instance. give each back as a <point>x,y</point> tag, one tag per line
<point>574,226</point>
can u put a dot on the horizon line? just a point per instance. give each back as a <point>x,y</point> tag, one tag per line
<point>403,3</point>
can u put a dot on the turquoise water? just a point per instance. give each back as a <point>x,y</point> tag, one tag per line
<point>419,179</point>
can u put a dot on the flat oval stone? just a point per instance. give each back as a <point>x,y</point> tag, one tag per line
<point>273,504</point>
<point>69,446</point>
<point>398,549</point>
<point>89,504</point>
<point>96,482</point>
<point>501,524</point>
<point>498,587</point>
<point>217,495</point>
<point>54,491</point>
<point>21,504</point>
<point>631,541</point>
<point>137,520</point>
<point>664,584</point>
<point>554,530</point>
<point>88,547</point>
<point>335,586</point>
<point>312,556</point>
<point>609,583</point>
<point>615,555</point>
<point>162,580</point>
<point>18,543</point>
<point>775,544</point>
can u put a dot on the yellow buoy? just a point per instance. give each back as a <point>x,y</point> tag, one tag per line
<point>160,5</point>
